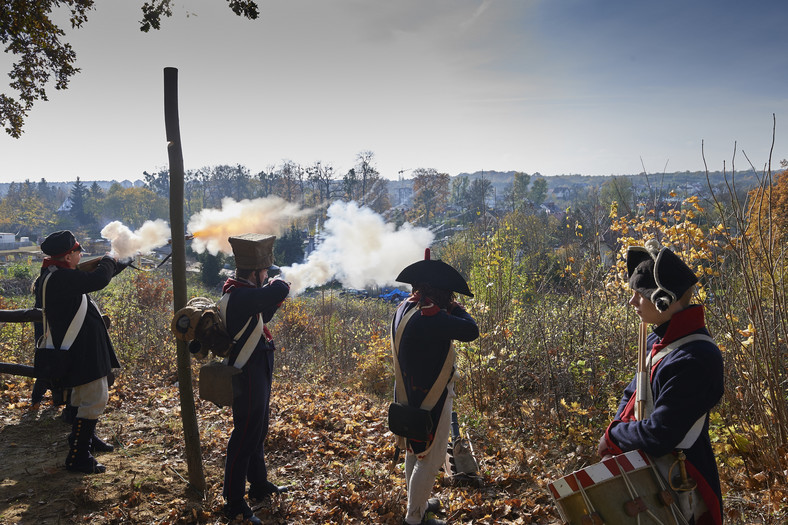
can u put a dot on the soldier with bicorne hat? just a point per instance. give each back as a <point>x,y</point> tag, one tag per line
<point>253,300</point>
<point>683,380</point>
<point>423,328</point>
<point>73,324</point>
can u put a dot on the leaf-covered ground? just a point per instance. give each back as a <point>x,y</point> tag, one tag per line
<point>328,443</point>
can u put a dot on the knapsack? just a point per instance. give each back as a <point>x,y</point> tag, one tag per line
<point>200,324</point>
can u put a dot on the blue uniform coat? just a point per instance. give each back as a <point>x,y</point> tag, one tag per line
<point>92,354</point>
<point>251,406</point>
<point>686,384</point>
<point>423,350</point>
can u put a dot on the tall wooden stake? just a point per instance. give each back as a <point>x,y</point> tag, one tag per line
<point>191,433</point>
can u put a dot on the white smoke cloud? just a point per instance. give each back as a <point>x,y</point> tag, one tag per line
<point>126,243</point>
<point>270,215</point>
<point>359,249</point>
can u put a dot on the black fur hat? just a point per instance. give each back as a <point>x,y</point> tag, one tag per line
<point>658,274</point>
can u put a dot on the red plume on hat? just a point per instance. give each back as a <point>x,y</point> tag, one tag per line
<point>436,273</point>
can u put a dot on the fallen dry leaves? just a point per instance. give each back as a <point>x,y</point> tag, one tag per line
<point>329,443</point>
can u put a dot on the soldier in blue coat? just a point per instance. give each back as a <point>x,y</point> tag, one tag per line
<point>686,380</point>
<point>253,300</point>
<point>429,320</point>
<point>73,321</point>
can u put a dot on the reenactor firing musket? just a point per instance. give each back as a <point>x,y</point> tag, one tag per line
<point>88,265</point>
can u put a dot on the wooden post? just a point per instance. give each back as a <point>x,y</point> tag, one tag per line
<point>191,433</point>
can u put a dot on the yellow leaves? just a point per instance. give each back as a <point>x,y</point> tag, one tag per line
<point>613,210</point>
<point>574,407</point>
<point>747,332</point>
<point>740,442</point>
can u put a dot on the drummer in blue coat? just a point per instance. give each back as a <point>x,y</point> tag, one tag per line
<point>686,381</point>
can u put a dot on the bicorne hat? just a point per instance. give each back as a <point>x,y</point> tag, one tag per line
<point>253,251</point>
<point>658,274</point>
<point>436,273</point>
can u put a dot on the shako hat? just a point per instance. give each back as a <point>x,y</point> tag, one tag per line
<point>436,273</point>
<point>60,243</point>
<point>253,251</point>
<point>658,274</point>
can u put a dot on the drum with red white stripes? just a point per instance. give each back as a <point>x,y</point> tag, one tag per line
<point>623,489</point>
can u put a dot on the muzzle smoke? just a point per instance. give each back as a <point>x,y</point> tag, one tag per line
<point>359,249</point>
<point>126,243</point>
<point>211,227</point>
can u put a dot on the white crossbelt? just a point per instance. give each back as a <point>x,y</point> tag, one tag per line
<point>697,427</point>
<point>251,343</point>
<point>73,328</point>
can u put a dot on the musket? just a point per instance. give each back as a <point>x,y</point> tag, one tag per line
<point>88,265</point>
<point>24,315</point>
<point>17,370</point>
<point>187,237</point>
<point>643,373</point>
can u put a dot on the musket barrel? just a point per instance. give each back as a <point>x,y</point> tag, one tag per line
<point>187,237</point>
<point>25,315</point>
<point>88,265</point>
<point>17,369</point>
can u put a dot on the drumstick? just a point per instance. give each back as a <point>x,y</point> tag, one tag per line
<point>642,373</point>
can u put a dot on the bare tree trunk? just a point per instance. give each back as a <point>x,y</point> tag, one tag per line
<point>191,433</point>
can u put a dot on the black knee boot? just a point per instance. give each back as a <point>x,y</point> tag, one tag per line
<point>99,445</point>
<point>79,458</point>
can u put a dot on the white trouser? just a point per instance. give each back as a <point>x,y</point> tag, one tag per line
<point>90,398</point>
<point>420,473</point>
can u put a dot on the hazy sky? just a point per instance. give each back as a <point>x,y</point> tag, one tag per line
<point>594,87</point>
